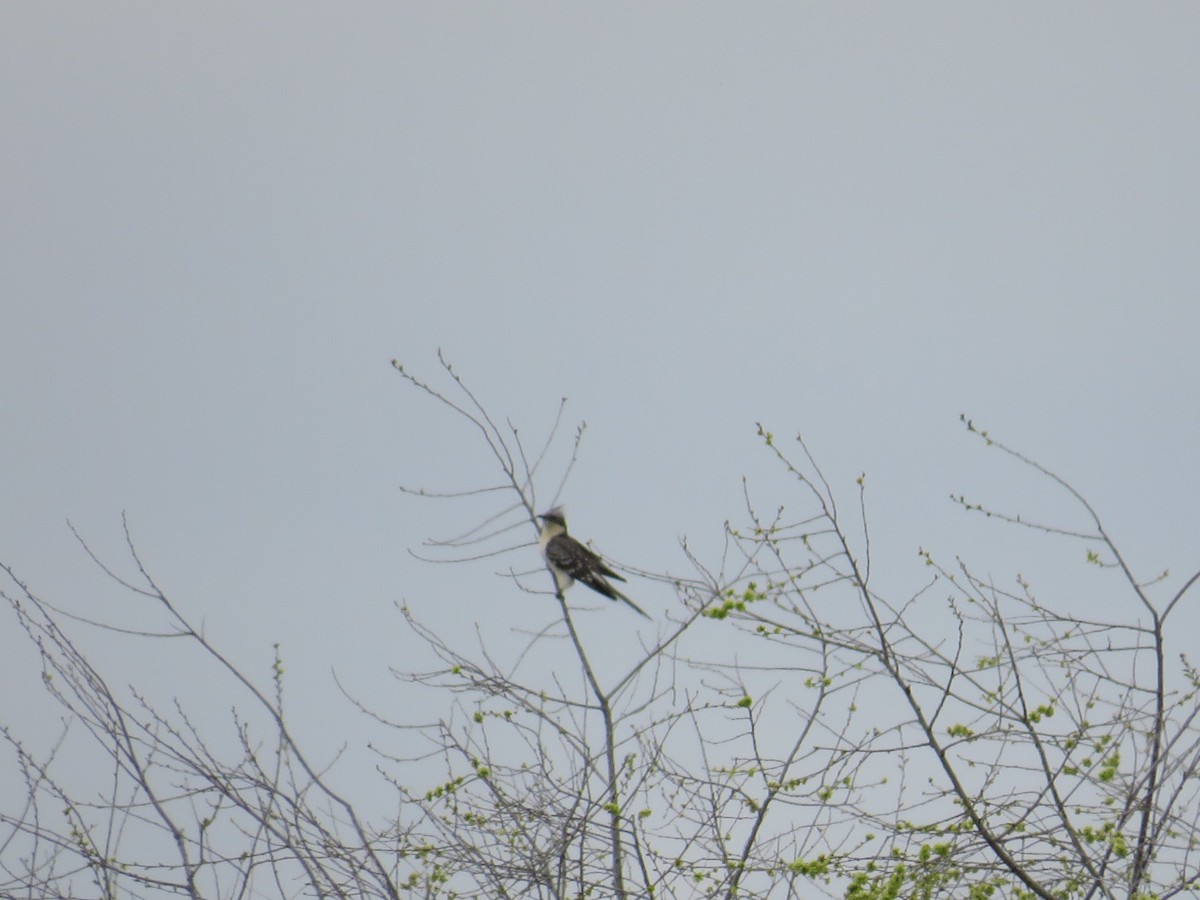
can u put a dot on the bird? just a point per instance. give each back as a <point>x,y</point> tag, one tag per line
<point>571,561</point>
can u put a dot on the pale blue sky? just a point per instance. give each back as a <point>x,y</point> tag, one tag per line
<point>851,220</point>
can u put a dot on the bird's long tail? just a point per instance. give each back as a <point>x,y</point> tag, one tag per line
<point>635,607</point>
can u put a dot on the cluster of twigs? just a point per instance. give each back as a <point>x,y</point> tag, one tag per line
<point>785,729</point>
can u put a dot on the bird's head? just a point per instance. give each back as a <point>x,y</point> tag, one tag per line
<point>555,516</point>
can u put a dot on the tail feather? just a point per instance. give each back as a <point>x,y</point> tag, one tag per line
<point>619,596</point>
<point>609,573</point>
<point>601,585</point>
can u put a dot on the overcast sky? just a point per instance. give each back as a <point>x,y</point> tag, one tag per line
<point>856,221</point>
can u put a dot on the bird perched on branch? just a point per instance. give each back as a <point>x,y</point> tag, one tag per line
<point>571,561</point>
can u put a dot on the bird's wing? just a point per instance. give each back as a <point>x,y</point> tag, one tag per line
<point>569,555</point>
<point>584,557</point>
